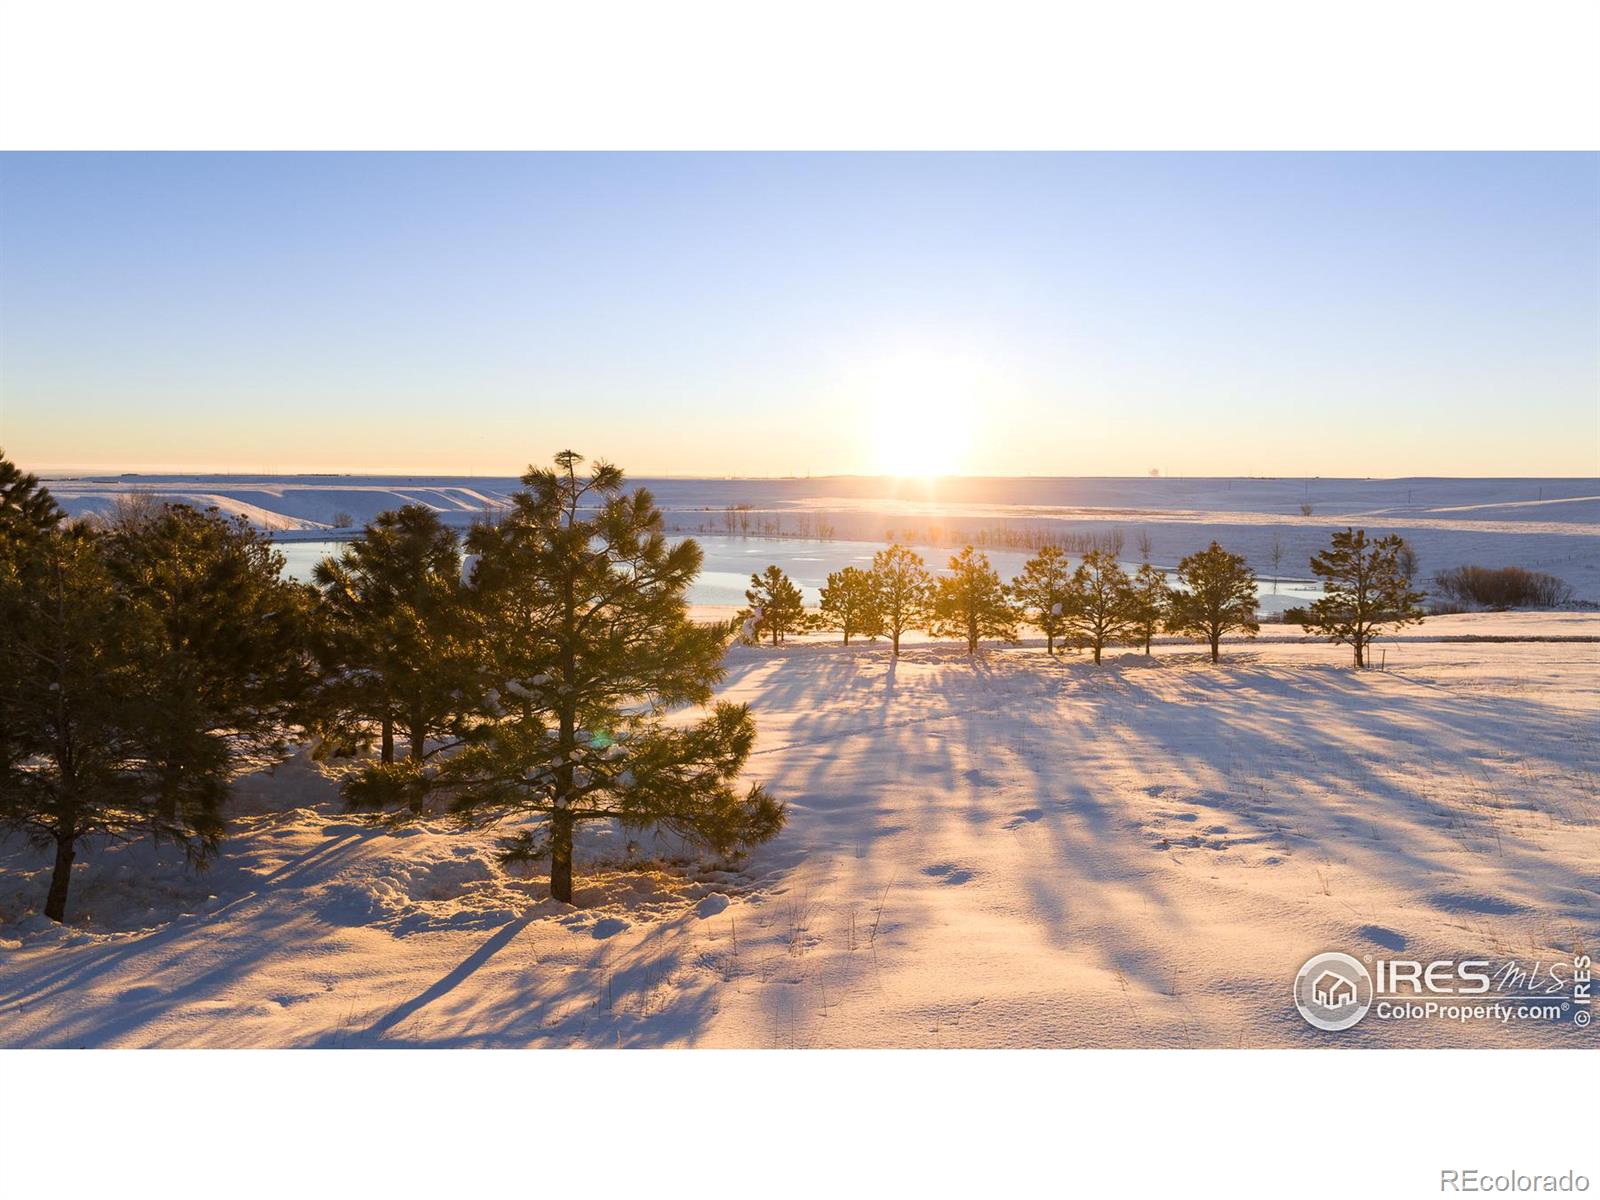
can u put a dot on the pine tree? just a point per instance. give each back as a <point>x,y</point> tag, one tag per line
<point>773,595</point>
<point>1365,587</point>
<point>1216,593</point>
<point>850,603</point>
<point>26,508</point>
<point>28,513</point>
<point>1149,603</point>
<point>396,633</point>
<point>1044,592</point>
<point>586,619</point>
<point>1099,611</point>
<point>971,603</point>
<point>70,695</point>
<point>903,586</point>
<point>226,652</point>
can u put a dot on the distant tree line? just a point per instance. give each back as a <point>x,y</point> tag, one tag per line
<point>1098,603</point>
<point>743,520</point>
<point>1016,537</point>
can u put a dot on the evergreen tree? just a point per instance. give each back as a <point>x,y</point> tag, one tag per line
<point>1216,593</point>
<point>850,603</point>
<point>586,618</point>
<point>1044,592</point>
<point>70,695</point>
<point>777,603</point>
<point>26,509</point>
<point>1150,601</point>
<point>1365,586</point>
<point>28,513</point>
<point>1100,608</point>
<point>225,656</point>
<point>903,586</point>
<point>396,635</point>
<point>971,603</point>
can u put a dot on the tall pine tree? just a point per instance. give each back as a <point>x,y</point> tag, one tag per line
<point>586,621</point>
<point>1216,593</point>
<point>1366,585</point>
<point>70,703</point>
<point>971,603</point>
<point>1044,591</point>
<point>777,602</point>
<point>850,603</point>
<point>903,585</point>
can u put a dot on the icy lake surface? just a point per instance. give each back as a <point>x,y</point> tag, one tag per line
<point>1548,525</point>
<point>730,561</point>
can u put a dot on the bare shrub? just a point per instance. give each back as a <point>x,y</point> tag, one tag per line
<point>1500,587</point>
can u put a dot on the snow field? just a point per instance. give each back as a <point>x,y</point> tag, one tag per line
<point>1006,851</point>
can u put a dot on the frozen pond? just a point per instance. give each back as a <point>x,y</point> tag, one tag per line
<point>729,562</point>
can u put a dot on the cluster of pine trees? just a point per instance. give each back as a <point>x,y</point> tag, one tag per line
<point>525,668</point>
<point>1095,604</point>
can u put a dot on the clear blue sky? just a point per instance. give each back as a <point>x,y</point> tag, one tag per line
<point>761,314</point>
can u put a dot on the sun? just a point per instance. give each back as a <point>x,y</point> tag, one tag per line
<point>922,410</point>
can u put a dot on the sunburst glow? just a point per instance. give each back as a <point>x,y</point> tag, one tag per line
<point>922,412</point>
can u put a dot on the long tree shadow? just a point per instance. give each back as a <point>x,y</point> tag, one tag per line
<point>442,987</point>
<point>91,961</point>
<point>230,951</point>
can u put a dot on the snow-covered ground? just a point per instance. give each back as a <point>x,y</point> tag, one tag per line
<point>1007,851</point>
<point>1548,525</point>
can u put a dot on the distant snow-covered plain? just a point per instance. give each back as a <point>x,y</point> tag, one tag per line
<point>1006,850</point>
<point>1549,525</point>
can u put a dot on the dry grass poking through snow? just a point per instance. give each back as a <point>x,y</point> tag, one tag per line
<point>1005,851</point>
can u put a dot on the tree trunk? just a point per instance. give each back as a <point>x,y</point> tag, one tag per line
<point>1049,643</point>
<point>167,798</point>
<point>55,905</point>
<point>897,643</point>
<point>416,735</point>
<point>1097,653</point>
<point>1361,660</point>
<point>561,856</point>
<point>1216,642</point>
<point>388,737</point>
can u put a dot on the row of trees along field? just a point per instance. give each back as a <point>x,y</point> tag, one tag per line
<point>1098,603</point>
<point>146,657</point>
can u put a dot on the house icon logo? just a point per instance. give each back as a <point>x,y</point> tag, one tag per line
<point>1333,991</point>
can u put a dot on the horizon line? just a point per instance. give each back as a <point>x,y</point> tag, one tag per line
<point>80,472</point>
